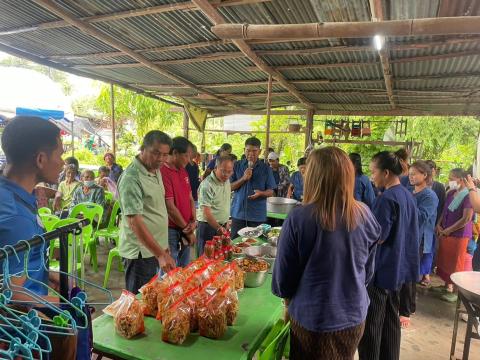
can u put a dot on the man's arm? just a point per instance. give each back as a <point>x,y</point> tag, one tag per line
<point>174,214</point>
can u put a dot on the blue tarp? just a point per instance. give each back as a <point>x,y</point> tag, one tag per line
<point>42,113</point>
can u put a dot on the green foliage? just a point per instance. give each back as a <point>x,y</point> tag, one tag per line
<point>87,157</point>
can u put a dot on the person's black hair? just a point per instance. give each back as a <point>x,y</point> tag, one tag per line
<point>103,169</point>
<point>402,154</point>
<point>180,144</point>
<point>424,168</point>
<point>432,164</point>
<point>243,157</point>
<point>386,160</point>
<point>72,161</point>
<point>356,160</point>
<point>270,150</point>
<point>25,136</point>
<point>253,141</point>
<point>301,161</point>
<point>221,159</point>
<point>156,136</point>
<point>234,157</point>
<point>458,173</point>
<point>224,147</point>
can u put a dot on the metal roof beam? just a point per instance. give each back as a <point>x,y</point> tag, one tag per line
<point>151,10</point>
<point>377,15</point>
<point>216,18</point>
<point>109,40</point>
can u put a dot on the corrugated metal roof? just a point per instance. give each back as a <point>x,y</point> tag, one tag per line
<point>352,87</point>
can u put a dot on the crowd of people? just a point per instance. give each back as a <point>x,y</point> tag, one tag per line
<point>349,258</point>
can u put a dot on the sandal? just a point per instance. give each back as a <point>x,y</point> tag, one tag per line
<point>449,297</point>
<point>404,322</point>
<point>426,283</point>
<point>439,289</point>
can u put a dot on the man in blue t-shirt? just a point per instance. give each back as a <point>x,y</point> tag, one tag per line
<point>252,182</point>
<point>33,149</point>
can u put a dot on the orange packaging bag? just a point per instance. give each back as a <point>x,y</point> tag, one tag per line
<point>129,317</point>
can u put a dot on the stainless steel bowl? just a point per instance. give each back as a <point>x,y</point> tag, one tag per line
<point>255,279</point>
<point>280,205</point>
<point>256,251</point>
<point>269,251</point>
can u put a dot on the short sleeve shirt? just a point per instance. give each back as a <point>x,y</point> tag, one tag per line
<point>19,220</point>
<point>216,195</point>
<point>177,187</point>
<point>297,182</point>
<point>451,217</point>
<point>142,193</point>
<point>262,179</point>
<point>67,191</point>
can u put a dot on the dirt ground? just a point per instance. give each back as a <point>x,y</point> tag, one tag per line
<point>428,338</point>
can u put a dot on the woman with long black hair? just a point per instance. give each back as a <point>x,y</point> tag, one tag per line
<point>363,187</point>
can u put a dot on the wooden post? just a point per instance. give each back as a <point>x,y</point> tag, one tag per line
<point>185,124</point>
<point>269,105</point>
<point>73,139</point>
<point>202,144</point>
<point>309,127</point>
<point>112,104</point>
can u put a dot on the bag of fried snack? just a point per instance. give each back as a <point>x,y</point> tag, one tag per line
<point>165,300</point>
<point>231,303</point>
<point>176,322</point>
<point>150,292</point>
<point>194,299</point>
<point>225,275</point>
<point>239,276</point>
<point>129,317</point>
<point>212,319</point>
<point>112,309</point>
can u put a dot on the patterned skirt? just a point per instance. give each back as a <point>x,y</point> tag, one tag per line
<point>335,345</point>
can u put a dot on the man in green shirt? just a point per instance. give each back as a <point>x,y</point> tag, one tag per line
<point>214,202</point>
<point>144,226</point>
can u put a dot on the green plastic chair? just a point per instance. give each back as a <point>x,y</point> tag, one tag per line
<point>55,264</point>
<point>112,254</point>
<point>273,347</point>
<point>44,211</point>
<point>90,211</point>
<point>48,221</point>
<point>108,196</point>
<point>111,231</point>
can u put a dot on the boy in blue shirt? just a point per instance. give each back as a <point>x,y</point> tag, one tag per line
<point>33,149</point>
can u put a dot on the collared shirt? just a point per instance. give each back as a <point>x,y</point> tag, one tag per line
<point>96,195</point>
<point>262,179</point>
<point>177,188</point>
<point>19,220</point>
<point>325,273</point>
<point>142,193</point>
<point>364,190</point>
<point>297,182</point>
<point>397,260</point>
<point>282,179</point>
<point>216,195</point>
<point>115,172</point>
<point>67,191</point>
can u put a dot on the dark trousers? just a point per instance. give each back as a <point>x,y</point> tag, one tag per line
<point>238,224</point>
<point>381,339</point>
<point>204,233</point>
<point>476,258</point>
<point>139,271</point>
<point>408,301</point>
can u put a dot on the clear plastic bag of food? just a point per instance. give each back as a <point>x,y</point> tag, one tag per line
<point>231,303</point>
<point>150,292</point>
<point>176,322</point>
<point>194,299</point>
<point>239,276</point>
<point>112,309</point>
<point>129,317</point>
<point>165,300</point>
<point>226,275</point>
<point>212,318</point>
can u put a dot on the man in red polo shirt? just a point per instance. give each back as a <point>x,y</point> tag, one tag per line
<point>179,201</point>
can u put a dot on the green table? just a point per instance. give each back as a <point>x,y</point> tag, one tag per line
<point>259,309</point>
<point>278,216</point>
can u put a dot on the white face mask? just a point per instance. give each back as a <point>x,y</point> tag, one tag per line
<point>453,185</point>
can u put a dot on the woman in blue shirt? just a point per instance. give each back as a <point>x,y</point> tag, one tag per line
<point>296,187</point>
<point>325,260</point>
<point>363,187</point>
<point>396,260</point>
<point>225,149</point>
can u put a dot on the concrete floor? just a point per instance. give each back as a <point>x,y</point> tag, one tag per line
<point>428,338</point>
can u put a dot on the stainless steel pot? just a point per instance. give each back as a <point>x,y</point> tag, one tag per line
<point>280,205</point>
<point>255,279</point>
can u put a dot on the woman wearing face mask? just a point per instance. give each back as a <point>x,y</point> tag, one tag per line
<point>396,262</point>
<point>89,191</point>
<point>454,231</point>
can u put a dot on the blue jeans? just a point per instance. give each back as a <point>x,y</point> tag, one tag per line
<point>204,233</point>
<point>179,252</point>
<point>139,271</point>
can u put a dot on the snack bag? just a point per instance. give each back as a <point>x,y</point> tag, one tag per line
<point>231,303</point>
<point>150,293</point>
<point>212,319</point>
<point>176,322</point>
<point>194,300</point>
<point>173,293</point>
<point>239,276</point>
<point>112,309</point>
<point>129,317</point>
<point>225,275</point>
